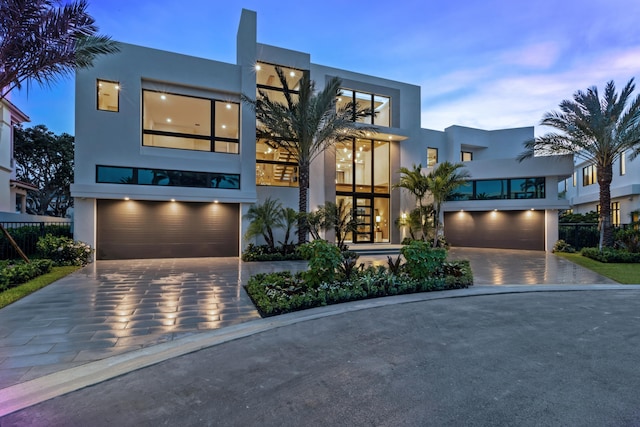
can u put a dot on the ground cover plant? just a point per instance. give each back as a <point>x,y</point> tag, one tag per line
<point>334,277</point>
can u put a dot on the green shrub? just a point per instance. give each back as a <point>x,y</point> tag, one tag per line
<point>422,260</point>
<point>12,274</point>
<point>265,253</point>
<point>611,255</point>
<point>324,259</point>
<point>64,251</point>
<point>562,246</point>
<point>628,239</point>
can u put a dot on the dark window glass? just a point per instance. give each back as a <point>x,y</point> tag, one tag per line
<point>166,177</point>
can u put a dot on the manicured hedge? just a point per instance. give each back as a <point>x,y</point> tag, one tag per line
<point>611,255</point>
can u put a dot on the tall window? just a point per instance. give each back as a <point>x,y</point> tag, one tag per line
<point>275,166</point>
<point>623,164</point>
<point>379,105</point>
<point>362,183</point>
<point>466,156</point>
<point>589,175</point>
<point>615,213</point>
<point>575,178</point>
<point>432,157</point>
<point>189,123</point>
<point>108,95</point>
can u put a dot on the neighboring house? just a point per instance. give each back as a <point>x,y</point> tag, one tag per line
<point>167,162</point>
<point>13,193</point>
<point>583,192</point>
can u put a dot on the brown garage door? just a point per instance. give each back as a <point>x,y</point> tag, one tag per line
<point>501,229</point>
<point>144,229</point>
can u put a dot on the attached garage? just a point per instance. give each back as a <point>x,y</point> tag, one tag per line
<point>128,229</point>
<point>496,229</point>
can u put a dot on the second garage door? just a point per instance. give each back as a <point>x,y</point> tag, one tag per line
<point>496,229</point>
<point>128,229</point>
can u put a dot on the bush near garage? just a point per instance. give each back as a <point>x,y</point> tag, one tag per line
<point>64,250</point>
<point>265,253</point>
<point>327,281</point>
<point>14,273</point>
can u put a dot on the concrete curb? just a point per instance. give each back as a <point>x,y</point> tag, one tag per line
<point>29,393</point>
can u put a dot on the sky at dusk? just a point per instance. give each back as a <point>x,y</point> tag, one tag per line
<point>489,64</point>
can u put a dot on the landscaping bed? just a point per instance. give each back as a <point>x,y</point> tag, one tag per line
<point>335,277</point>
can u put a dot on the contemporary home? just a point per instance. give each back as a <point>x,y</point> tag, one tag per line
<point>582,191</point>
<point>167,161</point>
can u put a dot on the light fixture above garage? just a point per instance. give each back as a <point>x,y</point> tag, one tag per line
<point>173,200</point>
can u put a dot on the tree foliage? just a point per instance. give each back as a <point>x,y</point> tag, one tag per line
<point>41,41</point>
<point>45,160</point>
<point>442,182</point>
<point>415,182</point>
<point>305,125</point>
<point>597,130</point>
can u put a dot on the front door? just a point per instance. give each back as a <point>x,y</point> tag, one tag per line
<point>364,220</point>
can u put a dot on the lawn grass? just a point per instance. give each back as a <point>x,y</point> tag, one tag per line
<point>14,294</point>
<point>622,273</point>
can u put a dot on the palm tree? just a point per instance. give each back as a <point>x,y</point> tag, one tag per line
<point>442,183</point>
<point>41,42</point>
<point>415,183</point>
<point>596,130</point>
<point>305,126</point>
<point>264,218</point>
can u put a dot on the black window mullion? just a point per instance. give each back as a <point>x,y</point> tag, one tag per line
<point>212,109</point>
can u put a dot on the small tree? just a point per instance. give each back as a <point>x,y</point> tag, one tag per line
<point>264,218</point>
<point>442,182</point>
<point>413,181</point>
<point>289,220</point>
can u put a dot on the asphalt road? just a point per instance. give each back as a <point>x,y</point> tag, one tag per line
<point>543,358</point>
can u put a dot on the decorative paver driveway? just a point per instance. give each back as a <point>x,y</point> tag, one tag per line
<point>111,307</point>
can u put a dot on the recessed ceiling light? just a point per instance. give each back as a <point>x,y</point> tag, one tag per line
<point>168,120</point>
<point>228,106</point>
<point>258,67</point>
<point>292,74</point>
<point>224,126</point>
<point>173,200</point>
<point>163,97</point>
<point>126,198</point>
<point>116,87</point>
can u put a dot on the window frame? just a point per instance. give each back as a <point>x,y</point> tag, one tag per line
<point>432,149</point>
<point>372,98</point>
<point>462,156</point>
<point>117,89</point>
<point>589,175</point>
<point>135,173</point>
<point>211,138</point>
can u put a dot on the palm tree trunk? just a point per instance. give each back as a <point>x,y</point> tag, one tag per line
<point>303,227</point>
<point>605,175</point>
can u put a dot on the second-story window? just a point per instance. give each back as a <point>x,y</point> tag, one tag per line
<point>623,164</point>
<point>466,156</point>
<point>589,175</point>
<point>432,157</point>
<point>380,106</point>
<point>190,123</point>
<point>108,95</point>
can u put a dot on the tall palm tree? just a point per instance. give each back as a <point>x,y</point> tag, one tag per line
<point>598,131</point>
<point>442,183</point>
<point>42,42</point>
<point>415,183</point>
<point>305,126</point>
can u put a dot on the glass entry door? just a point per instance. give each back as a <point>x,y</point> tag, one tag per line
<point>363,214</point>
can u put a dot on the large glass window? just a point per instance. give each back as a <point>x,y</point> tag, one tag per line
<point>166,177</point>
<point>274,165</point>
<point>623,163</point>
<point>362,182</point>
<point>189,123</point>
<point>380,106</point>
<point>108,95</point>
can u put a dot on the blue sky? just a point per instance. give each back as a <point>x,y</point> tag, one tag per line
<point>487,64</point>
